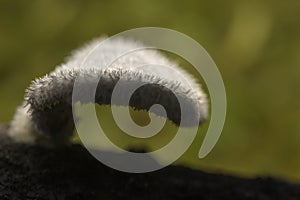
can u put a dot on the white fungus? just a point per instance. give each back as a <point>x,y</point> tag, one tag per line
<point>47,108</point>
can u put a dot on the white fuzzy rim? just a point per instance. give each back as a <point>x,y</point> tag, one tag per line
<point>48,100</point>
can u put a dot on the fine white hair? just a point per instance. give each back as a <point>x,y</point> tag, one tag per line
<point>47,108</point>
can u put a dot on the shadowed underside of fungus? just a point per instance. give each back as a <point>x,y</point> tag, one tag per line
<point>47,107</point>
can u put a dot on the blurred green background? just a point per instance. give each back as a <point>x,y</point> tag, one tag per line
<point>255,44</point>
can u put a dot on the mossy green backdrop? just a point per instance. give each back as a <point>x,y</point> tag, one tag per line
<point>255,44</point>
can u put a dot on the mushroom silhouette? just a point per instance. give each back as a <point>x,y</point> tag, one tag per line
<point>46,112</point>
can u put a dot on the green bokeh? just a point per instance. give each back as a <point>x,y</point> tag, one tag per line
<point>255,44</point>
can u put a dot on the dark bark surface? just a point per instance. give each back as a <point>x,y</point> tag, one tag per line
<point>36,172</point>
